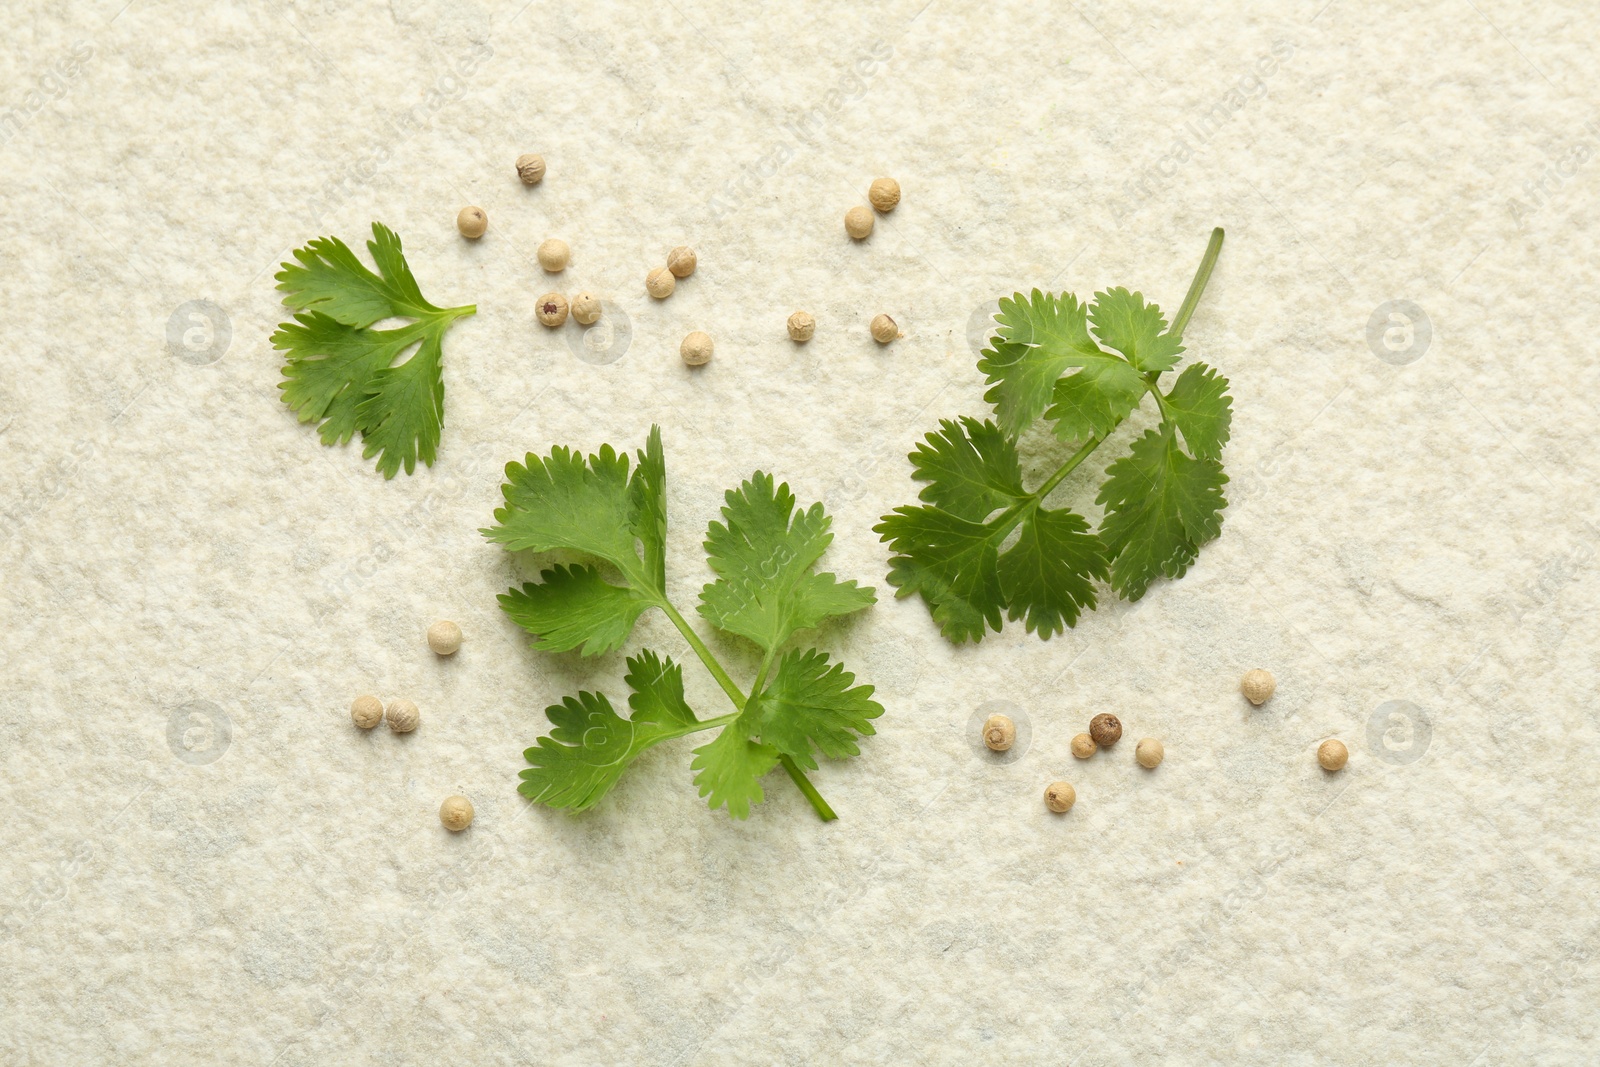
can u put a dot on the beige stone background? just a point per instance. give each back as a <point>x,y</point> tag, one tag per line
<point>203,861</point>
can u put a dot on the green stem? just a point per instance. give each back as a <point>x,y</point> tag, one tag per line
<point>1066,468</point>
<point>818,804</point>
<point>705,655</point>
<point>1198,286</point>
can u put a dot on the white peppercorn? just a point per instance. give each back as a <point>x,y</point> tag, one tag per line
<point>884,329</point>
<point>884,194</point>
<point>802,327</point>
<point>1060,796</point>
<point>456,813</point>
<point>472,222</point>
<point>1332,754</point>
<point>1083,746</point>
<point>858,223</point>
<point>999,732</point>
<point>696,349</point>
<point>1258,686</point>
<point>554,255</point>
<point>586,308</point>
<point>366,712</point>
<point>403,715</point>
<point>444,637</point>
<point>530,168</point>
<point>681,261</point>
<point>552,309</point>
<point>659,283</point>
<point>1149,752</point>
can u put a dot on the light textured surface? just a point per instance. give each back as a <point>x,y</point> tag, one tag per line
<point>180,557</point>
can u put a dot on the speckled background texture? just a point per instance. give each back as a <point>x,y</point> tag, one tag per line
<point>203,862</point>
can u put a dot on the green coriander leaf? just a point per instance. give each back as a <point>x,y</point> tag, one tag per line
<point>946,550</point>
<point>1160,506</point>
<point>403,413</point>
<point>647,493</point>
<point>1092,402</point>
<point>1123,321</point>
<point>728,771</point>
<point>340,372</point>
<point>1200,405</point>
<point>951,562</point>
<point>1048,574</point>
<point>1037,338</point>
<point>564,501</point>
<point>572,607</point>
<point>591,746</point>
<point>657,697</point>
<point>810,703</point>
<point>331,389</point>
<point>971,469</point>
<point>762,553</point>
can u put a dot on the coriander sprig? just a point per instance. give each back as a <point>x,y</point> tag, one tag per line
<point>766,590</point>
<point>1085,368</point>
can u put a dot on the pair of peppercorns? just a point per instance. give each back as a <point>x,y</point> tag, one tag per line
<point>884,194</point>
<point>663,281</point>
<point>1259,685</point>
<point>473,221</point>
<point>802,327</point>
<point>401,714</point>
<point>552,309</point>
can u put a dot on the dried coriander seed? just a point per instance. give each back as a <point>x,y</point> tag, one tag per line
<point>1149,752</point>
<point>802,327</point>
<point>999,733</point>
<point>884,194</point>
<point>366,712</point>
<point>1106,729</point>
<point>554,255</point>
<point>1332,754</point>
<point>403,715</point>
<point>1258,686</point>
<point>456,813</point>
<point>884,329</point>
<point>1083,746</point>
<point>472,222</point>
<point>552,309</point>
<point>530,168</point>
<point>444,637</point>
<point>586,308</point>
<point>858,222</point>
<point>681,261</point>
<point>1060,796</point>
<point>696,349</point>
<point>659,283</point>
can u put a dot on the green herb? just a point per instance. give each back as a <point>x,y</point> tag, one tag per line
<point>763,553</point>
<point>1085,369</point>
<point>340,372</point>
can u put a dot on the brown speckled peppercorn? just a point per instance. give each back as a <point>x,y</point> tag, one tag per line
<point>1105,728</point>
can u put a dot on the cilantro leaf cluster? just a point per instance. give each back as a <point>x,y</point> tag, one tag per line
<point>341,373</point>
<point>766,590</point>
<point>981,547</point>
